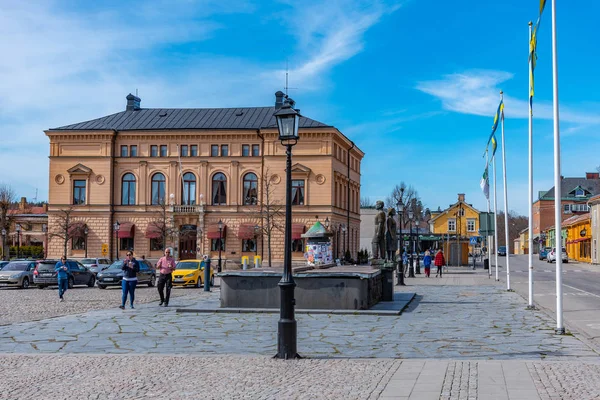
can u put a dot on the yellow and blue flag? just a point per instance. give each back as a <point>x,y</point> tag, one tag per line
<point>492,139</point>
<point>532,51</point>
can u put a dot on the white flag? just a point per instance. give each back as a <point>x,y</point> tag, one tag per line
<point>485,183</point>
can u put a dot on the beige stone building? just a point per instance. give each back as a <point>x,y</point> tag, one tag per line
<point>168,176</point>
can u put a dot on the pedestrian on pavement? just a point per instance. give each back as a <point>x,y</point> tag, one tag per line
<point>427,263</point>
<point>439,262</point>
<point>130,267</point>
<point>63,278</point>
<point>166,266</point>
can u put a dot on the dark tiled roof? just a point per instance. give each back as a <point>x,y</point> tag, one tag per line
<point>188,118</point>
<point>568,184</point>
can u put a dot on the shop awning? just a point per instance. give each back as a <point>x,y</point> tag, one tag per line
<point>154,230</point>
<point>77,229</point>
<point>247,231</point>
<point>578,240</point>
<point>126,230</point>
<point>213,231</point>
<point>297,231</point>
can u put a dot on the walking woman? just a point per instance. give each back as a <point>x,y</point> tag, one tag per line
<point>130,267</point>
<point>427,263</point>
<point>439,262</point>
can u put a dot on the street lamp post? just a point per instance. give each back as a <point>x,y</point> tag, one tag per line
<point>4,244</point>
<point>18,229</point>
<point>418,222</point>
<point>344,241</point>
<point>411,267</point>
<point>220,226</point>
<point>287,122</point>
<point>256,231</point>
<point>85,233</point>
<point>400,270</point>
<point>116,227</point>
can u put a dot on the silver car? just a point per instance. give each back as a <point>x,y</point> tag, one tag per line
<point>551,257</point>
<point>17,273</point>
<point>94,265</point>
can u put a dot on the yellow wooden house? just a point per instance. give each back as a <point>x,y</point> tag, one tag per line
<point>579,237</point>
<point>456,225</point>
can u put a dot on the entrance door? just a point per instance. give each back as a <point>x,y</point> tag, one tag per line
<point>454,257</point>
<point>187,244</point>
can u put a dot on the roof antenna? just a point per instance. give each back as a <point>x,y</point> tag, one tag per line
<point>287,88</point>
<point>136,94</point>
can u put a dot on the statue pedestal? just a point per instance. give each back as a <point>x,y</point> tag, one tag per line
<point>387,277</point>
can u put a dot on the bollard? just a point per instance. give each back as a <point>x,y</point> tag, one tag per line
<point>207,275</point>
<point>245,262</point>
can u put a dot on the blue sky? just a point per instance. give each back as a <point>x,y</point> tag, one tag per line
<point>414,83</point>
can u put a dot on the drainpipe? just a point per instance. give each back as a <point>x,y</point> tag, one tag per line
<point>112,192</point>
<point>348,199</point>
<point>262,186</point>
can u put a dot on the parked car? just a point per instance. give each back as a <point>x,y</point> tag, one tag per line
<point>552,256</point>
<point>44,274</point>
<point>544,252</point>
<point>95,265</point>
<point>2,264</point>
<point>502,251</point>
<point>17,273</point>
<point>191,272</point>
<point>113,275</point>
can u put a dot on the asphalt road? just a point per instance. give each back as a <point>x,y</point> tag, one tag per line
<point>581,291</point>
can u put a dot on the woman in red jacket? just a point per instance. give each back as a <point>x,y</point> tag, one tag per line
<point>439,262</point>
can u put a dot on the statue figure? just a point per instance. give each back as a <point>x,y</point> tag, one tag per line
<point>378,241</point>
<point>391,237</point>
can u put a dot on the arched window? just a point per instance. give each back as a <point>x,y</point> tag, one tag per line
<point>128,190</point>
<point>158,189</point>
<point>219,191</point>
<point>250,189</point>
<point>188,194</point>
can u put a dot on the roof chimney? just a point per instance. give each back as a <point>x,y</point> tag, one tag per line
<point>22,203</point>
<point>592,175</point>
<point>133,103</point>
<point>279,99</point>
<point>461,197</point>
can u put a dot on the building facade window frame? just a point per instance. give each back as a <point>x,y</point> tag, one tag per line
<point>133,150</point>
<point>158,185</point>
<point>183,150</point>
<point>250,189</point>
<point>224,150</point>
<point>78,243</point>
<point>297,245</point>
<point>156,244</point>
<point>248,245</point>
<point>128,189</point>
<point>255,150</point>
<point>194,150</point>
<point>154,150</point>
<point>214,150</point>
<point>451,224</point>
<point>298,192</point>
<point>79,192</point>
<point>124,151</point>
<point>188,192</point>
<point>219,189</point>
<point>126,244</point>
<point>245,150</point>
<point>214,244</point>
<point>164,150</point>
<point>471,224</point>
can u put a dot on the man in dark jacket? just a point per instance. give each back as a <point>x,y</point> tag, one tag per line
<point>130,269</point>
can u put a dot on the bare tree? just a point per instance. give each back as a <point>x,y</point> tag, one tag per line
<point>162,224</point>
<point>65,228</point>
<point>410,199</point>
<point>516,224</point>
<point>272,212</point>
<point>7,202</point>
<point>366,202</point>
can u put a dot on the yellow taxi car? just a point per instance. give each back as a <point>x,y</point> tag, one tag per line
<point>191,272</point>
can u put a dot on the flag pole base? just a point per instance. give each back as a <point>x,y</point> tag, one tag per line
<point>531,308</point>
<point>559,331</point>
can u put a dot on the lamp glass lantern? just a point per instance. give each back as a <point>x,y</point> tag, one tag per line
<point>288,121</point>
<point>220,225</point>
<point>327,223</point>
<point>411,214</point>
<point>18,228</point>
<point>117,226</point>
<point>3,232</point>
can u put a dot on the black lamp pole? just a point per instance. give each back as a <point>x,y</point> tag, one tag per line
<point>18,229</point>
<point>411,267</point>
<point>418,221</point>
<point>400,270</point>
<point>220,225</point>
<point>85,232</point>
<point>4,244</point>
<point>256,230</point>
<point>287,123</point>
<point>116,226</point>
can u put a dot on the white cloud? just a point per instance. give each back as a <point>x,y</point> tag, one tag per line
<point>477,92</point>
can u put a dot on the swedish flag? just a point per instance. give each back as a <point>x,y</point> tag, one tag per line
<point>532,51</point>
<point>492,139</point>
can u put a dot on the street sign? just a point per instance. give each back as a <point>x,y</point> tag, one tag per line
<point>473,240</point>
<point>104,249</point>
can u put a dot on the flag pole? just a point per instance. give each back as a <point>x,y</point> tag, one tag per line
<point>530,306</point>
<point>495,218</point>
<point>488,238</point>
<point>560,329</point>
<point>506,236</point>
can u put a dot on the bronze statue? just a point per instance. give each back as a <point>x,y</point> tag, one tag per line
<point>391,237</point>
<point>378,241</point>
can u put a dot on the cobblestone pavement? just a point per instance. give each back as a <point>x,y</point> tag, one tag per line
<point>20,305</point>
<point>566,380</point>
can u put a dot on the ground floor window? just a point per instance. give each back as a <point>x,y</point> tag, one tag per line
<point>214,244</point>
<point>126,244</point>
<point>78,243</point>
<point>156,244</point>
<point>248,245</point>
<point>585,249</point>
<point>298,245</point>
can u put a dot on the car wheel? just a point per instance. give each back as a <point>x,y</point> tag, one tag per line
<point>102,286</point>
<point>152,281</point>
<point>198,282</point>
<point>566,261</point>
<point>25,284</point>
<point>71,283</point>
<point>92,281</point>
